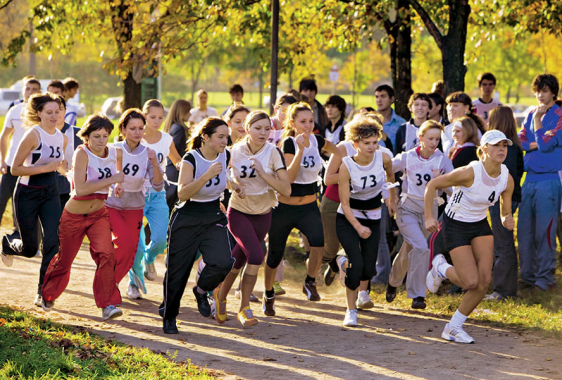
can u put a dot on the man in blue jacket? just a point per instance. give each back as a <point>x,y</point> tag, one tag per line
<point>541,138</point>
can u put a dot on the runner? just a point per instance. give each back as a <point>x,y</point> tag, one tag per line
<point>36,198</point>
<point>140,163</point>
<point>468,236</point>
<point>259,168</point>
<point>95,169</point>
<point>197,223</point>
<point>235,119</point>
<point>302,152</point>
<point>419,166</point>
<point>362,177</point>
<point>155,207</point>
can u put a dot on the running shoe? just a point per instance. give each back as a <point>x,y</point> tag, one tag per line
<point>111,312</point>
<point>246,317</point>
<point>269,306</point>
<point>279,291</point>
<point>434,279</point>
<point>47,306</point>
<point>495,296</point>
<point>202,303</point>
<point>150,272</point>
<point>253,298</point>
<point>418,303</point>
<point>350,319</point>
<point>309,288</point>
<point>38,300</point>
<point>457,335</point>
<point>390,293</point>
<point>342,264</point>
<point>329,276</point>
<point>220,308</point>
<point>8,260</point>
<point>133,293</point>
<point>170,326</point>
<point>363,301</point>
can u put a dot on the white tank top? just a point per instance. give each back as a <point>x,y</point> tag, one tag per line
<point>245,175</point>
<point>419,172</point>
<point>411,139</point>
<point>100,168</point>
<point>311,162</point>
<point>162,150</point>
<point>366,181</point>
<point>214,188</point>
<point>50,148</point>
<point>135,167</point>
<point>470,204</point>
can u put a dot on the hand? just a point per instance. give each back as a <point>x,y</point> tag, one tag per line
<point>118,177</point>
<point>431,224</point>
<point>541,110</point>
<point>178,166</point>
<point>214,170</point>
<point>239,190</point>
<point>364,232</point>
<point>118,190</point>
<point>152,156</point>
<point>52,166</point>
<point>508,222</point>
<point>300,141</point>
<point>436,172</point>
<point>258,166</point>
<point>223,209</point>
<point>3,167</point>
<point>392,206</point>
<point>533,146</point>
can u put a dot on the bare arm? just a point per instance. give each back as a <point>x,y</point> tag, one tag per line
<point>332,177</point>
<point>27,145</point>
<point>187,186</point>
<point>5,136</point>
<point>387,161</point>
<point>64,168</point>
<point>505,205</point>
<point>330,147</point>
<point>174,155</point>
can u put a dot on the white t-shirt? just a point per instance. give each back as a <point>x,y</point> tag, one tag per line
<point>71,114</point>
<point>14,120</point>
<point>483,109</point>
<point>197,115</point>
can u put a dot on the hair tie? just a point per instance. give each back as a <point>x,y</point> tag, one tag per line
<point>457,124</point>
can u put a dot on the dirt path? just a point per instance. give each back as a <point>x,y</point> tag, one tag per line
<point>305,340</point>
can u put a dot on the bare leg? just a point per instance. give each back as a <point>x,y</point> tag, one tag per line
<point>227,284</point>
<point>314,261</point>
<point>351,296</point>
<point>248,282</point>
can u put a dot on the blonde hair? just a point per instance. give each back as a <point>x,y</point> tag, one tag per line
<point>151,103</point>
<point>363,126</point>
<point>292,113</point>
<point>234,109</point>
<point>199,93</point>
<point>469,128</point>
<point>430,124</point>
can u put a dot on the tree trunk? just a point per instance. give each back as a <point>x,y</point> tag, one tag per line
<point>261,84</point>
<point>508,95</point>
<point>132,93</point>
<point>453,48</point>
<point>403,85</point>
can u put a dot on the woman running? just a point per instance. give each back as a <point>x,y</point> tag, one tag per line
<point>467,234</point>
<point>140,164</point>
<point>302,152</point>
<point>95,169</point>
<point>175,125</point>
<point>361,181</point>
<point>198,224</point>
<point>419,165</point>
<point>36,198</point>
<point>155,207</point>
<point>259,168</point>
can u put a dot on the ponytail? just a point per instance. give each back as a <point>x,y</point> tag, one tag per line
<point>206,127</point>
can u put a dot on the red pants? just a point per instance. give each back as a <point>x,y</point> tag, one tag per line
<point>72,229</point>
<point>125,227</point>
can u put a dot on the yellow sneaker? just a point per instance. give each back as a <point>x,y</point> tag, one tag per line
<point>246,317</point>
<point>220,311</point>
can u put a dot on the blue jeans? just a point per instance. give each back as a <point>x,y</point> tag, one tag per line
<point>536,230</point>
<point>157,213</point>
<point>505,255</point>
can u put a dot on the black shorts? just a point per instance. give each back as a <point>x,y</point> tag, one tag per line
<point>457,234</point>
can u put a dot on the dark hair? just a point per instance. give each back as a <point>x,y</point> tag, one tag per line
<point>285,98</point>
<point>437,99</point>
<point>386,88</point>
<point>308,84</point>
<point>56,84</point>
<point>439,87</point>
<point>206,127</point>
<point>94,123</point>
<point>461,97</point>
<point>254,117</point>
<point>32,81</point>
<point>502,119</point>
<point>179,110</point>
<point>131,113</point>
<point>70,83</point>
<point>35,104</point>
<point>368,109</point>
<point>486,76</point>
<point>338,101</point>
<point>236,88</point>
<point>292,112</point>
<point>542,81</point>
<point>151,103</point>
<point>234,109</point>
<point>419,96</point>
<point>62,101</point>
<point>297,95</point>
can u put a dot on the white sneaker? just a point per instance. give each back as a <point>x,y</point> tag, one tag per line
<point>433,279</point>
<point>150,272</point>
<point>342,264</point>
<point>47,306</point>
<point>350,319</point>
<point>111,312</point>
<point>8,260</point>
<point>133,292</point>
<point>457,335</point>
<point>38,300</point>
<point>363,301</point>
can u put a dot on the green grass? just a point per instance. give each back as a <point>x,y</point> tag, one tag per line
<point>34,348</point>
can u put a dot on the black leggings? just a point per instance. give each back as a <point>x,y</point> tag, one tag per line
<point>305,218</point>
<point>361,253</point>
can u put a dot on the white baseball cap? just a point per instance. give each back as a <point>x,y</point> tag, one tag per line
<point>493,137</point>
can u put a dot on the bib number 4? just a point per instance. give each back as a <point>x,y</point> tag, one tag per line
<point>492,197</point>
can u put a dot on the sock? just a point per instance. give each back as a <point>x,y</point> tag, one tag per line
<point>270,293</point>
<point>334,265</point>
<point>309,279</point>
<point>442,269</point>
<point>457,320</point>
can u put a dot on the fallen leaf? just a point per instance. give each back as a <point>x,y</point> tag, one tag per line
<point>2,321</point>
<point>411,353</point>
<point>269,360</point>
